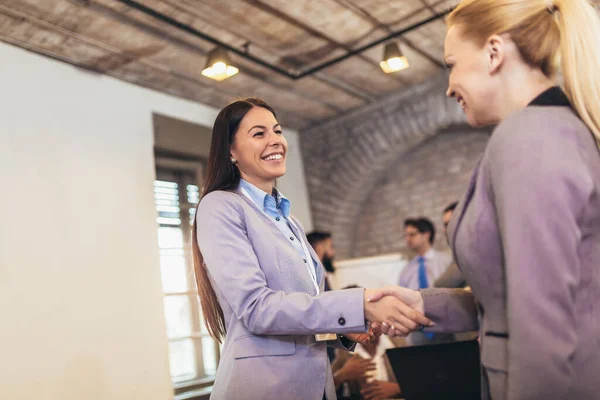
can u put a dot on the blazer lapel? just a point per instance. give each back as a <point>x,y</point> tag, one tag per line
<point>459,213</point>
<point>299,234</point>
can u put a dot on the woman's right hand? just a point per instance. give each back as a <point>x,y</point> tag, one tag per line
<point>399,308</point>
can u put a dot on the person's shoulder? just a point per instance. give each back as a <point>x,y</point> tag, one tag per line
<point>220,196</point>
<point>220,201</point>
<point>534,125</point>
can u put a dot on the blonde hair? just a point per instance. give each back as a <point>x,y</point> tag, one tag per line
<point>545,31</point>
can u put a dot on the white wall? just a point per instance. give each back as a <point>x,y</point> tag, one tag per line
<point>369,272</point>
<point>80,290</point>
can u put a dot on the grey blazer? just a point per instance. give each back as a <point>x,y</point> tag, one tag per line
<point>527,239</point>
<point>270,305</point>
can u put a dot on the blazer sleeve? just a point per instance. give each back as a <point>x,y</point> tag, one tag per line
<point>540,187</point>
<point>452,310</point>
<point>234,268</point>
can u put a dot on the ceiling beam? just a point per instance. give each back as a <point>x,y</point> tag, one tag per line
<point>378,24</point>
<point>335,83</point>
<point>293,21</point>
<point>162,35</point>
<point>24,17</point>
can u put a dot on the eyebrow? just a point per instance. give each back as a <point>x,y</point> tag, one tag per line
<point>263,127</point>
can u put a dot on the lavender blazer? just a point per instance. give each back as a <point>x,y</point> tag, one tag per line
<point>527,239</point>
<point>270,305</point>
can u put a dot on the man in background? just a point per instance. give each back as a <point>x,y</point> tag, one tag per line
<point>452,277</point>
<point>428,263</point>
<point>322,243</point>
<point>424,269</point>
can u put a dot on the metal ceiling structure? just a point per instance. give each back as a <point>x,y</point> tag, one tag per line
<point>330,44</point>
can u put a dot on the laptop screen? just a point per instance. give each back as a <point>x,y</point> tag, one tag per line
<point>438,371</point>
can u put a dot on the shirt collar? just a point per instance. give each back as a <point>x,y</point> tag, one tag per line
<point>263,200</point>
<point>428,255</point>
<point>552,97</point>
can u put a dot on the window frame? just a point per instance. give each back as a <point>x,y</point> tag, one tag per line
<point>188,172</point>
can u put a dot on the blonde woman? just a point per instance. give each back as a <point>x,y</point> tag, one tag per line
<point>526,235</point>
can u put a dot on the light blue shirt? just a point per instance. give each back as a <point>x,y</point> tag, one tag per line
<point>436,263</point>
<point>278,209</point>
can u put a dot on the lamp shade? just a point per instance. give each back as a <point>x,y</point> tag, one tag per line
<point>218,65</point>
<point>393,59</point>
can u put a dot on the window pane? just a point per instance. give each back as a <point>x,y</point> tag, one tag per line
<point>170,191</point>
<point>192,214</point>
<point>172,252</point>
<point>168,214</point>
<point>165,184</point>
<point>167,196</point>
<point>178,316</point>
<point>181,360</point>
<point>193,194</point>
<point>209,357</point>
<point>168,221</point>
<point>174,273</point>
<point>170,238</point>
<point>167,210</point>
<point>166,202</point>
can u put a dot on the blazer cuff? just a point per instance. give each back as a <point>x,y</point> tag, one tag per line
<point>351,317</point>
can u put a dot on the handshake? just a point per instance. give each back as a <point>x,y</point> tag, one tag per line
<point>393,310</point>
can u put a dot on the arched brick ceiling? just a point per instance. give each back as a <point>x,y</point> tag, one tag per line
<point>346,157</point>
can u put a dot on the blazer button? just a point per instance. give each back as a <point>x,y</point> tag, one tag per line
<point>277,219</point>
<point>292,239</point>
<point>342,321</point>
<point>304,260</point>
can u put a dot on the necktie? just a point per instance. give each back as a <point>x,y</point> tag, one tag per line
<point>423,284</point>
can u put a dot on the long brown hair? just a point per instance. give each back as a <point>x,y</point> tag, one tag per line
<point>545,31</point>
<point>221,174</point>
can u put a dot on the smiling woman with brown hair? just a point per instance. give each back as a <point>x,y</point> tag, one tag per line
<point>260,282</point>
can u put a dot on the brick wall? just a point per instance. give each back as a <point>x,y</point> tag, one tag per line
<point>347,158</point>
<point>422,183</point>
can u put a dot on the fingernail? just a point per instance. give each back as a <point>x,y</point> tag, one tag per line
<point>432,324</point>
<point>369,299</point>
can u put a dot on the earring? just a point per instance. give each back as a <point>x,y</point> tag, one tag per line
<point>233,160</point>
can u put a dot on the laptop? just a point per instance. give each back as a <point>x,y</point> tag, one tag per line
<point>438,371</point>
